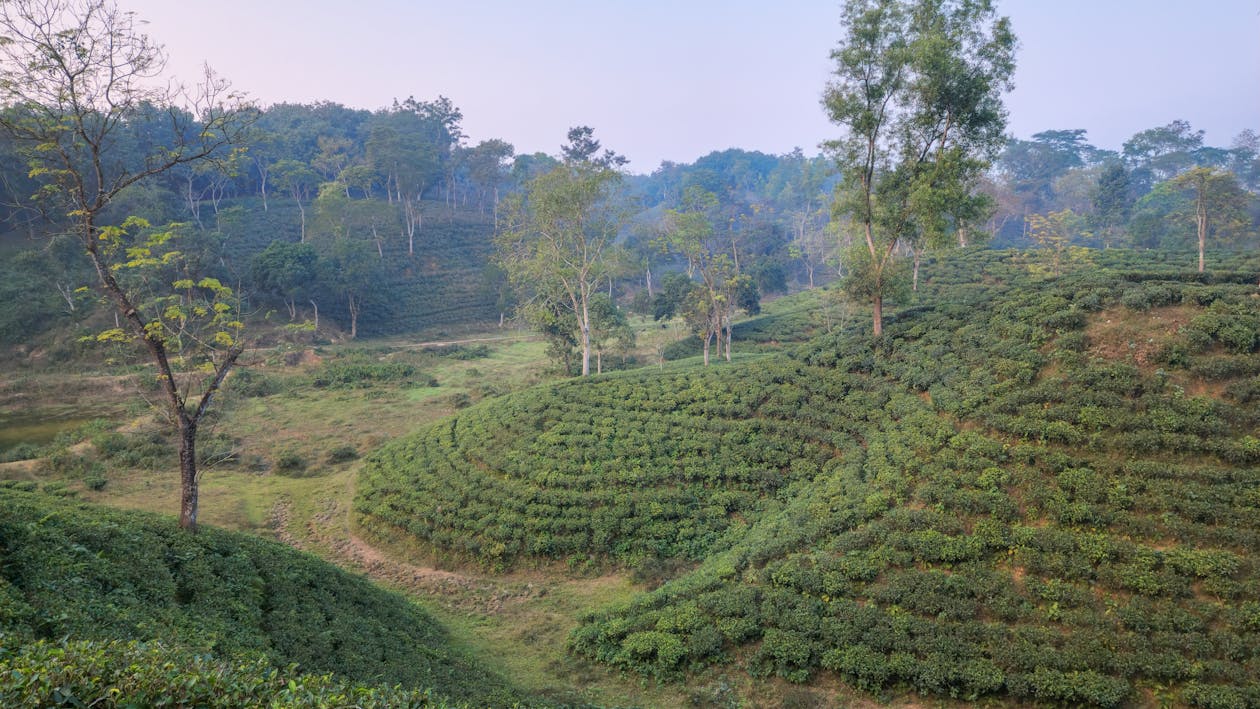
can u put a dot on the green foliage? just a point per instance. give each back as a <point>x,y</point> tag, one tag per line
<point>129,674</point>
<point>980,504</point>
<point>361,371</point>
<point>240,603</point>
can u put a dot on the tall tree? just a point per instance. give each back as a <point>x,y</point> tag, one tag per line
<point>917,89</point>
<point>689,232</point>
<point>299,181</point>
<point>75,77</point>
<point>1112,202</point>
<point>558,239</point>
<point>1220,204</point>
<point>1158,154</point>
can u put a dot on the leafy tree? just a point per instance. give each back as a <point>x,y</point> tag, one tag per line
<point>917,89</point>
<point>675,287</point>
<point>75,77</point>
<point>1053,233</point>
<point>1220,204</point>
<point>1112,202</point>
<point>1159,154</point>
<point>583,148</point>
<point>353,272</point>
<point>610,329</point>
<point>1033,165</point>
<point>1245,159</point>
<point>299,181</point>
<point>286,270</point>
<point>487,167</point>
<point>710,307</point>
<point>558,240</point>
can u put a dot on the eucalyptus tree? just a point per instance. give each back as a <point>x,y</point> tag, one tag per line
<point>557,241</point>
<point>1218,203</point>
<point>917,90</point>
<point>77,78</point>
<point>689,232</point>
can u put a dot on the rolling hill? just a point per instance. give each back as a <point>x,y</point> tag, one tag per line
<point>1028,489</point>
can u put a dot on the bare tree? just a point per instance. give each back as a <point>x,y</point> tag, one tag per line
<point>77,80</point>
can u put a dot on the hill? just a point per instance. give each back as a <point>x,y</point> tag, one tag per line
<point>77,582</point>
<point>1032,489</point>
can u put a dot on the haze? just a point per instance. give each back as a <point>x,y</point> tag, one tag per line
<point>672,81</point>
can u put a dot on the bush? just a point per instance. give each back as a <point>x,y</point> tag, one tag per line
<point>84,573</point>
<point>342,454</point>
<point>21,451</point>
<point>133,674</point>
<point>360,372</point>
<point>290,463</point>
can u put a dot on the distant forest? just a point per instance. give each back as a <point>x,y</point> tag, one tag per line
<point>382,221</point>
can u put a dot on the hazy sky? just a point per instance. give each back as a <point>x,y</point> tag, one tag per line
<point>676,79</point>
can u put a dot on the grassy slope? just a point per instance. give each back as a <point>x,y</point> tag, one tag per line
<point>1005,496</point>
<point>85,572</point>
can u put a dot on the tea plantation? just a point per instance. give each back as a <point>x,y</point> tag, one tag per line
<point>1029,490</point>
<point>107,608</point>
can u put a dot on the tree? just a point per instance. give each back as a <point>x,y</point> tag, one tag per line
<point>1053,234</point>
<point>610,329</point>
<point>286,270</point>
<point>688,232</point>
<point>1220,204</point>
<point>1112,202</point>
<point>76,76</point>
<point>353,272</point>
<point>299,181</point>
<point>917,89</point>
<point>487,167</point>
<point>1158,154</point>
<point>558,240</point>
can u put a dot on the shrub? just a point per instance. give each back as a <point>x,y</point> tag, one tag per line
<point>290,463</point>
<point>21,451</point>
<point>342,454</point>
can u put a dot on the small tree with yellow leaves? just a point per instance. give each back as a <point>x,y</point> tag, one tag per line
<point>78,80</point>
<point>189,325</point>
<point>1053,234</point>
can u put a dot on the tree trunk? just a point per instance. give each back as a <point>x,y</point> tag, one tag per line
<point>187,473</point>
<point>302,212</point>
<point>915,281</point>
<point>648,280</point>
<point>1201,219</point>
<point>585,325</point>
<point>316,307</point>
<point>354,315</point>
<point>708,337</point>
<point>262,185</point>
<point>877,309</point>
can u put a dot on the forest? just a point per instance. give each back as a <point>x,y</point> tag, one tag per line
<point>306,404</point>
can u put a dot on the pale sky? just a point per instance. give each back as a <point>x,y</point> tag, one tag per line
<point>676,79</point>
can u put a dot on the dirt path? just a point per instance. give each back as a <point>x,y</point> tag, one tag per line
<point>447,343</point>
<point>328,531</point>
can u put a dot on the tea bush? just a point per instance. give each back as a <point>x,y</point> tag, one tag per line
<point>85,573</point>
<point>982,502</point>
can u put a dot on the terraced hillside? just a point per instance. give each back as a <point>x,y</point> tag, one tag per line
<point>1040,490</point>
<point>92,598</point>
<point>441,284</point>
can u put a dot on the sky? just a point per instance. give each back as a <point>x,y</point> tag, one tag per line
<point>676,79</point>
